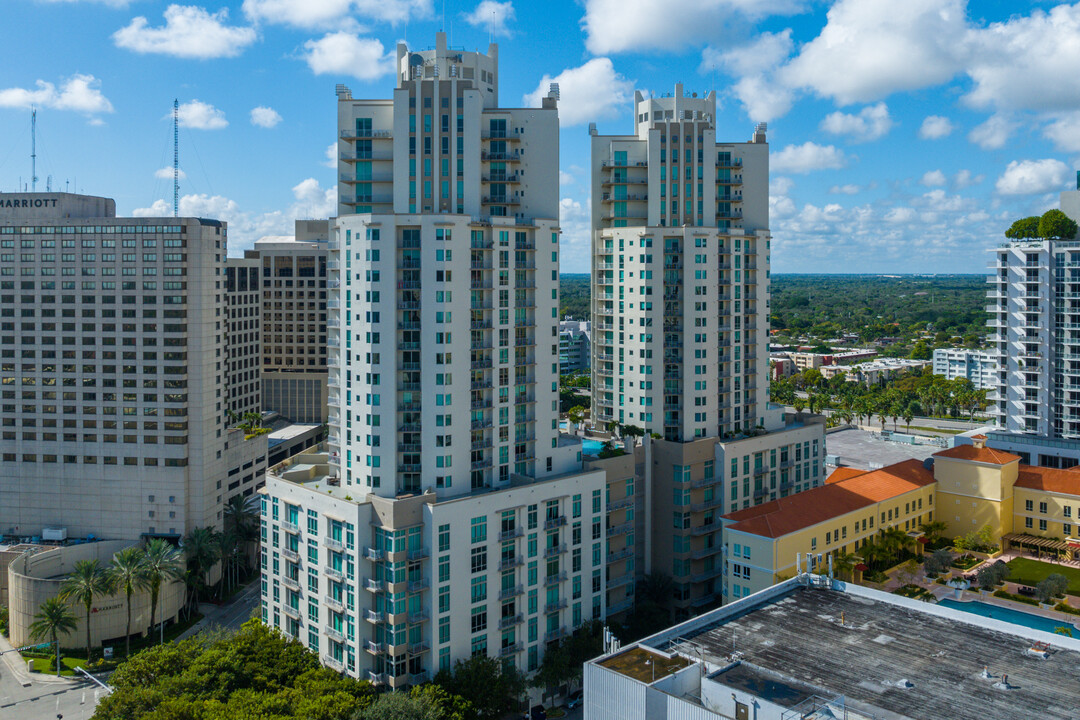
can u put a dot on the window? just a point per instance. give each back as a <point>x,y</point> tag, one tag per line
<point>479,529</point>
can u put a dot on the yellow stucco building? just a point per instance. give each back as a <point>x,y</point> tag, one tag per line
<point>968,487</point>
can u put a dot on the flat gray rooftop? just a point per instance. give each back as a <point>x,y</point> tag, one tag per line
<point>799,637</point>
<point>859,449</point>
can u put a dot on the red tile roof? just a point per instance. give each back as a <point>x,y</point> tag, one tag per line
<point>1066,482</point>
<point>977,454</point>
<point>787,515</point>
<point>844,473</point>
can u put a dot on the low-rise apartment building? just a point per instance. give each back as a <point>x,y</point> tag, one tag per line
<point>981,368</point>
<point>968,487</point>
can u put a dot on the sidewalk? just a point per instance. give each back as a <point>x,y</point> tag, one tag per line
<point>226,614</point>
<point>17,666</point>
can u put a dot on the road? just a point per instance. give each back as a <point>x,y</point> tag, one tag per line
<point>925,422</point>
<point>43,699</point>
<point>231,615</point>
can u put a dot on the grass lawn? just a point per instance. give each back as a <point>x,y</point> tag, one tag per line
<point>1029,572</point>
<point>42,665</point>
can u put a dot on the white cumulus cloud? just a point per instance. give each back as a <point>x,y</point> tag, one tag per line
<point>993,133</point>
<point>869,49</point>
<point>965,179</point>
<point>310,201</point>
<point>201,116</point>
<point>344,53</point>
<point>871,123</point>
<point>1064,130</point>
<point>494,16</point>
<point>847,189</point>
<point>807,157</point>
<point>265,117</point>
<point>762,97</point>
<point>613,26</point>
<point>79,93</point>
<point>935,127</point>
<point>1030,177</point>
<point>188,32</point>
<point>575,244</point>
<point>166,173</point>
<point>593,91</point>
<point>331,160</point>
<point>933,178</point>
<point>325,14</point>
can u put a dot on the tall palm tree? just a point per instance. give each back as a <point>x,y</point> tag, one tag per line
<point>242,516</point>
<point>934,528</point>
<point>895,540</point>
<point>128,572</point>
<point>53,618</point>
<point>88,580</point>
<point>202,548</point>
<point>162,564</point>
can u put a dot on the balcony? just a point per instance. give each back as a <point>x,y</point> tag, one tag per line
<point>510,563</point>
<point>550,552</point>
<point>555,522</point>
<point>707,575</point>
<point>620,529</point>
<point>618,555</point>
<point>373,585</point>
<point>507,593</point>
<point>376,678</point>
<point>333,573</point>
<point>333,663</point>
<point>555,579</point>
<point>291,583</point>
<point>555,634</point>
<point>705,552</point>
<point>620,580</point>
<point>707,505</point>
<point>419,678</point>
<point>333,544</point>
<point>419,584</point>
<point>705,529</point>
<point>373,647</point>
<point>418,648</point>
<point>334,634</point>
<point>511,649</point>
<point>510,621</point>
<point>290,528</point>
<point>555,606</point>
<point>333,603</point>
<point>621,606</point>
<point>374,617</point>
<point>417,617</point>
<point>291,555</point>
<point>419,554</point>
<point>620,504</point>
<point>293,612</point>
<point>510,534</point>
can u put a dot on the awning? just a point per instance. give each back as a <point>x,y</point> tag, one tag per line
<point>1036,541</point>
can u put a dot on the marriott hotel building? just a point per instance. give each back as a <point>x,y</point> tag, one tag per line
<point>114,346</point>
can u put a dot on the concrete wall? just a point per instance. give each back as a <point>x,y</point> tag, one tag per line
<point>37,577</point>
<point>972,495</point>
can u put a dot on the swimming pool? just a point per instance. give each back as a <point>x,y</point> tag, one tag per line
<point>591,447</point>
<point>1017,617</point>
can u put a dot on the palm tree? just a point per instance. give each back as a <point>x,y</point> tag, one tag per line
<point>843,564</point>
<point>128,572</point>
<point>894,540</point>
<point>53,618</point>
<point>934,529</point>
<point>202,548</point>
<point>162,564</point>
<point>88,581</point>
<point>909,415</point>
<point>242,517</point>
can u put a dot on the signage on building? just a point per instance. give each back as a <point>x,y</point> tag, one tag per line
<point>107,608</point>
<point>28,202</point>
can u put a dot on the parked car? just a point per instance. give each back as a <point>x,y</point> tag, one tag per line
<point>538,713</point>
<point>574,699</point>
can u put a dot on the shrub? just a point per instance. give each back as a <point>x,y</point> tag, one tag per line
<point>1066,608</point>
<point>1016,598</point>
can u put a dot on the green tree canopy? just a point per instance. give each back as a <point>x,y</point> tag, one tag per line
<point>493,689</point>
<point>255,673</point>
<point>1057,225</point>
<point>427,702</point>
<point>1024,228</point>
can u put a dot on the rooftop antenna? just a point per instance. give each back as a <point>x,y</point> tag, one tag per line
<point>176,158</point>
<point>33,149</point>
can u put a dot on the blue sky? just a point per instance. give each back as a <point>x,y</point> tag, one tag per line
<point>905,136</point>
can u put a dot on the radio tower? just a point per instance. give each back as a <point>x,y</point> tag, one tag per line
<point>176,158</point>
<point>33,150</point>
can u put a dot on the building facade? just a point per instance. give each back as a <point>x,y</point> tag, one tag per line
<point>444,458</point>
<point>680,232</point>
<point>1034,302</point>
<point>979,367</point>
<point>243,296</point>
<point>575,353</point>
<point>294,300</point>
<point>113,364</point>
